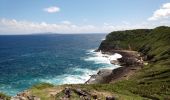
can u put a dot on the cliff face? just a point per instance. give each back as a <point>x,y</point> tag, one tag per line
<point>123,39</point>
<point>154,43</point>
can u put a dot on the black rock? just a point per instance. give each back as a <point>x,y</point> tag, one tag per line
<point>110,98</point>
<point>67,92</point>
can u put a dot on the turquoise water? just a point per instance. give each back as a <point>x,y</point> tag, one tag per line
<point>26,60</point>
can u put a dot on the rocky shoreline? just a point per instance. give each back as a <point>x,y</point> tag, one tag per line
<point>130,62</point>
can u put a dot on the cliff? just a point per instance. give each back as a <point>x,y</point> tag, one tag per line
<point>153,80</point>
<point>152,43</point>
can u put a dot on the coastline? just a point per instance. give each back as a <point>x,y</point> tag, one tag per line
<point>105,75</point>
<point>130,62</point>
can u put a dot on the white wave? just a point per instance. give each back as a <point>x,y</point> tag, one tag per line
<point>99,58</point>
<point>85,71</point>
<point>103,39</point>
<point>115,56</point>
<point>110,67</point>
<point>71,79</point>
<point>90,51</point>
<point>64,79</point>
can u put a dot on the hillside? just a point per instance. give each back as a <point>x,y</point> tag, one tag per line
<point>152,82</point>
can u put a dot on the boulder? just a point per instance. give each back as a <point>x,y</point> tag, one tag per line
<point>80,92</point>
<point>110,98</point>
<point>67,92</point>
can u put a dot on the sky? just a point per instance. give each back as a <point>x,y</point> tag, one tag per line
<point>81,16</point>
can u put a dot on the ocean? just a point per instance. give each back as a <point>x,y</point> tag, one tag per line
<point>26,60</point>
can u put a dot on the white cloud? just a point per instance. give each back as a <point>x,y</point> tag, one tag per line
<point>12,26</point>
<point>163,12</point>
<point>52,9</point>
<point>166,6</point>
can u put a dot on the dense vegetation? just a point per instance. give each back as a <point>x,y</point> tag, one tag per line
<point>153,81</point>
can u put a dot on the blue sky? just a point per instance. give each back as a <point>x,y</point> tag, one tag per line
<point>81,16</point>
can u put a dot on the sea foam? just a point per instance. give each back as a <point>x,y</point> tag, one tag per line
<point>99,58</point>
<point>69,78</point>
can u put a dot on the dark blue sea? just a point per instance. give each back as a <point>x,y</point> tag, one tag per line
<point>26,60</point>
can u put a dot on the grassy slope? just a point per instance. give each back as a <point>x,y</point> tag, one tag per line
<point>101,90</point>
<point>152,82</point>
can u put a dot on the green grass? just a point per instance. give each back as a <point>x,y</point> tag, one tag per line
<point>153,80</point>
<point>42,86</point>
<point>118,90</point>
<point>39,90</point>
